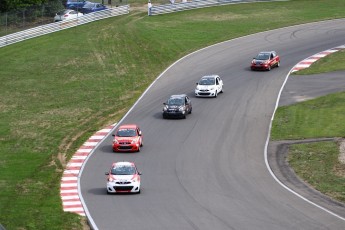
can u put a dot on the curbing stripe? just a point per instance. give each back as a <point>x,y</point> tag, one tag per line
<point>69,181</point>
<point>310,60</point>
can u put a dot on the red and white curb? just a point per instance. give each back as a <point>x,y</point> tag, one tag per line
<point>69,181</point>
<point>310,60</point>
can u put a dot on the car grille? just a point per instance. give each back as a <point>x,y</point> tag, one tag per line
<point>125,147</point>
<point>124,142</point>
<point>204,94</point>
<point>123,182</point>
<point>123,188</point>
<point>204,90</point>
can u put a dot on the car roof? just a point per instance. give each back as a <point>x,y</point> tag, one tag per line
<point>128,126</point>
<point>123,163</point>
<point>267,52</point>
<point>210,76</point>
<point>178,96</point>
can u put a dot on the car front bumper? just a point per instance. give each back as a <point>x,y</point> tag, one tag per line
<point>205,93</point>
<point>174,113</point>
<point>123,187</point>
<point>126,147</point>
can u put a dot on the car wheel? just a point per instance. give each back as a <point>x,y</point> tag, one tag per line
<point>269,68</point>
<point>141,144</point>
<point>190,111</point>
<point>216,94</point>
<point>138,149</point>
<point>164,117</point>
<point>139,191</point>
<point>278,64</point>
<point>184,116</point>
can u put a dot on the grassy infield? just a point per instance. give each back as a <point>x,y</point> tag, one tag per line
<point>59,89</point>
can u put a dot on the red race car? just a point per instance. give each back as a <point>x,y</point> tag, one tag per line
<point>128,138</point>
<point>265,61</point>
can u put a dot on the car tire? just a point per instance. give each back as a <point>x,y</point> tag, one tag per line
<point>216,94</point>
<point>190,111</point>
<point>269,68</point>
<point>278,64</point>
<point>138,149</point>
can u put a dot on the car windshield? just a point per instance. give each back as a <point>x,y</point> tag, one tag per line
<point>175,101</point>
<point>263,56</point>
<point>89,5</point>
<point>207,81</point>
<point>62,12</point>
<point>126,133</point>
<point>123,170</point>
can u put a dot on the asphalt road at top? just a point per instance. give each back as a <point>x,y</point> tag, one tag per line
<point>208,171</point>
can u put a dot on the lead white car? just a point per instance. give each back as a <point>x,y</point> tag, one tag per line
<point>123,177</point>
<point>209,86</point>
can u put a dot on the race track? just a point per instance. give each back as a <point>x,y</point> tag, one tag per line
<point>208,171</point>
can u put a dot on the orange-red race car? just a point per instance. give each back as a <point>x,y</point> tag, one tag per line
<point>265,61</point>
<point>128,138</point>
<point>123,177</point>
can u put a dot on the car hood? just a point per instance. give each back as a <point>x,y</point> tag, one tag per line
<point>259,61</point>
<point>205,87</point>
<point>174,106</point>
<point>126,138</point>
<point>123,177</point>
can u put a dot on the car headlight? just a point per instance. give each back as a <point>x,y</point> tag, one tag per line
<point>134,141</point>
<point>110,179</point>
<point>181,108</point>
<point>253,62</point>
<point>115,141</point>
<point>165,108</point>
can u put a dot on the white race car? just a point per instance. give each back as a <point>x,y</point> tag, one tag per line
<point>123,177</point>
<point>209,86</point>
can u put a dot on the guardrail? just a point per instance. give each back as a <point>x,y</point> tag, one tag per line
<point>181,6</point>
<point>57,26</point>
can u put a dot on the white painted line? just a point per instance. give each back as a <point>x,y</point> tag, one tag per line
<point>80,209</point>
<point>74,164</point>
<point>96,137</point>
<point>69,178</point>
<point>69,191</point>
<point>84,150</point>
<point>66,203</point>
<point>69,197</point>
<point>79,157</point>
<point>68,185</point>
<point>91,143</point>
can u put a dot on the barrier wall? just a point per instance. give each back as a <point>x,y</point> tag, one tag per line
<point>57,26</point>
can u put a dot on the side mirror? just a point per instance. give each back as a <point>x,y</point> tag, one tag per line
<point>107,173</point>
<point>197,83</point>
<point>139,173</point>
<point>140,133</point>
<point>164,103</point>
<point>113,135</point>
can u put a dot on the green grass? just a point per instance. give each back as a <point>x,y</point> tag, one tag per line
<point>58,89</point>
<point>318,164</point>
<point>321,117</point>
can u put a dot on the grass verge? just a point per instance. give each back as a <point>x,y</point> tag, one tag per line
<point>58,89</point>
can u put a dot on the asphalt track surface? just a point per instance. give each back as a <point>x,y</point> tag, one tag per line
<point>209,171</point>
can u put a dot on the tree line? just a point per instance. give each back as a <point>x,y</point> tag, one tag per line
<point>8,5</point>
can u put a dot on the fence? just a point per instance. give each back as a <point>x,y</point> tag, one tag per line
<point>57,26</point>
<point>188,5</point>
<point>37,15</point>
